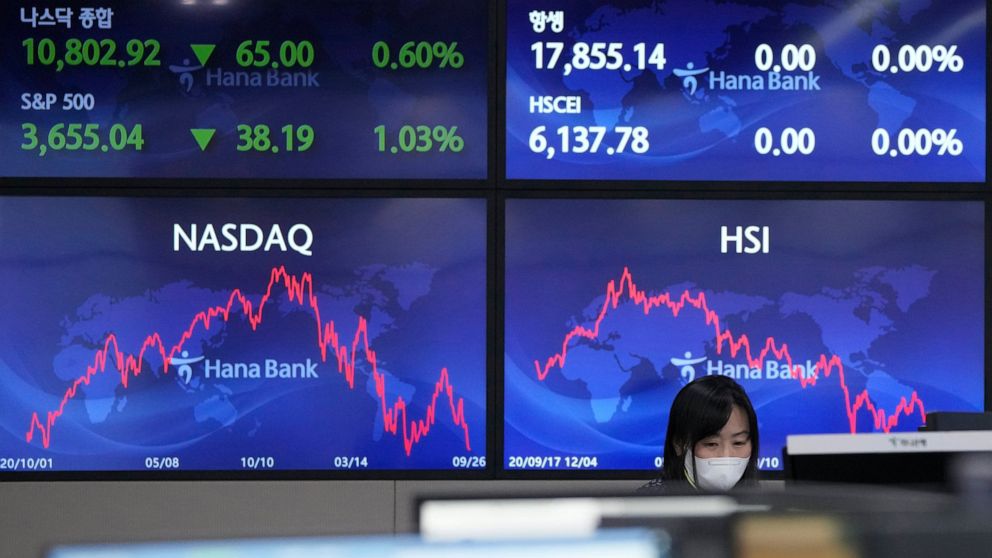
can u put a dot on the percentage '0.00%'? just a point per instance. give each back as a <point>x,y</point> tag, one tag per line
<point>920,142</point>
<point>921,58</point>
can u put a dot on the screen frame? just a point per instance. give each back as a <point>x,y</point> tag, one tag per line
<point>496,189</point>
<point>486,180</point>
<point>718,186</point>
<point>306,188</point>
<point>631,474</point>
<point>188,191</point>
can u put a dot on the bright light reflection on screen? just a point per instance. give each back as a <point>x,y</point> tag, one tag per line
<point>627,543</point>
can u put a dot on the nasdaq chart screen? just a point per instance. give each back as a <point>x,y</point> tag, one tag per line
<point>750,90</point>
<point>242,334</point>
<point>246,88</point>
<point>834,316</point>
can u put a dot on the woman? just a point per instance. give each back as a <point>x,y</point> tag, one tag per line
<point>712,438</point>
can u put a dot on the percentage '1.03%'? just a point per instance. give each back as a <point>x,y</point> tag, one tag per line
<point>419,139</point>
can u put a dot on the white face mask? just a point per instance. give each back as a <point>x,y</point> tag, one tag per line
<point>717,474</point>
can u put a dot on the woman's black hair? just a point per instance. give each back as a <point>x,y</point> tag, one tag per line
<point>700,410</point>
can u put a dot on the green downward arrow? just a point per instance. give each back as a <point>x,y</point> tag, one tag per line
<point>203,52</point>
<point>203,136</point>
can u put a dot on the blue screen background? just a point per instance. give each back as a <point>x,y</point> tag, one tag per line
<point>709,135</point>
<point>78,270</point>
<point>353,96</point>
<point>890,288</point>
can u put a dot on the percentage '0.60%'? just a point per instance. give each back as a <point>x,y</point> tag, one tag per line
<point>418,54</point>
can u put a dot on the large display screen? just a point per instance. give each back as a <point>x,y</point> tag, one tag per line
<point>811,90</point>
<point>170,334</point>
<point>835,316</point>
<point>244,88</point>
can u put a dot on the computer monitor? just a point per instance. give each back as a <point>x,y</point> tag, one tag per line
<point>908,458</point>
<point>628,543</point>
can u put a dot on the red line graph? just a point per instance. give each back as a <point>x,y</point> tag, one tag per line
<point>299,290</point>
<point>826,364</point>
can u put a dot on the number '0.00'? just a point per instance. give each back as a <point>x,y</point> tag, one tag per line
<point>790,142</point>
<point>792,58</point>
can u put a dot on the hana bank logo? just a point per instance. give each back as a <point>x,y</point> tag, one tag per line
<point>185,71</point>
<point>185,371</point>
<point>687,366</point>
<point>688,74</point>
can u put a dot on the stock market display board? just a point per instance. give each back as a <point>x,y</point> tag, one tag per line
<point>834,316</point>
<point>701,90</point>
<point>331,335</point>
<point>246,89</point>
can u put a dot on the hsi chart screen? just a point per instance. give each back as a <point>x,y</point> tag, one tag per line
<point>242,334</point>
<point>834,316</point>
